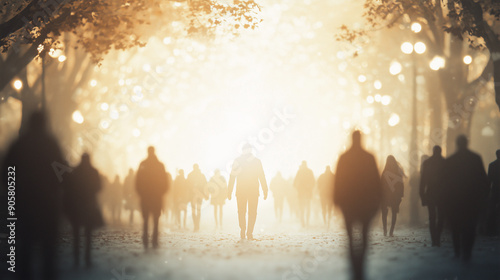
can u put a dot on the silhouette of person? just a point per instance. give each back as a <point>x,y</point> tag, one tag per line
<point>130,195</point>
<point>82,209</point>
<point>414,183</point>
<point>357,192</point>
<point>304,183</point>
<point>33,162</point>
<point>168,203</point>
<point>114,199</point>
<point>494,195</point>
<point>466,183</point>
<point>217,187</point>
<point>248,172</point>
<point>151,185</point>
<point>431,193</point>
<point>325,186</point>
<point>181,198</point>
<point>197,184</point>
<point>392,190</point>
<point>278,187</point>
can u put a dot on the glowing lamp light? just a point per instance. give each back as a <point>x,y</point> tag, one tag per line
<point>18,84</point>
<point>77,117</point>
<point>370,99</point>
<point>393,120</point>
<point>362,78</point>
<point>420,47</point>
<point>55,53</point>
<point>416,27</point>
<point>437,63</point>
<point>395,68</point>
<point>378,97</point>
<point>377,84</point>
<point>62,58</point>
<point>407,48</point>
<point>386,100</point>
<point>136,132</point>
<point>104,106</point>
<point>93,83</point>
<point>467,59</point>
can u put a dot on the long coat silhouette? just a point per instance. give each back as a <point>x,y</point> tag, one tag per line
<point>432,193</point>
<point>494,195</point>
<point>357,192</point>
<point>151,185</point>
<point>36,164</point>
<point>304,183</point>
<point>392,191</point>
<point>466,183</point>
<point>82,208</point>
<point>325,187</point>
<point>197,183</point>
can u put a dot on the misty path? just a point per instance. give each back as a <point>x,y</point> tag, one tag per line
<point>282,252</point>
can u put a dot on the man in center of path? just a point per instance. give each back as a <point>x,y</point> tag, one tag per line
<point>248,171</point>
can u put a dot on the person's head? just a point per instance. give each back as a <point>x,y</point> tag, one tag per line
<point>356,138</point>
<point>151,151</point>
<point>38,122</point>
<point>303,164</point>
<point>130,171</point>
<point>85,158</point>
<point>498,154</point>
<point>196,166</point>
<point>117,178</point>
<point>328,169</point>
<point>278,174</point>
<point>216,172</point>
<point>462,142</point>
<point>391,160</point>
<point>181,172</point>
<point>246,149</point>
<point>436,150</point>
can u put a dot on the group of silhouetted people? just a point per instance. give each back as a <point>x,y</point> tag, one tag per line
<point>456,190</point>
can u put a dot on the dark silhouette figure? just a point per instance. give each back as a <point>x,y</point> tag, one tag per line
<point>82,209</point>
<point>181,198</point>
<point>151,185</point>
<point>40,172</point>
<point>357,193</point>
<point>197,184</point>
<point>392,190</point>
<point>248,171</point>
<point>278,186</point>
<point>114,200</point>
<point>494,196</point>
<point>414,183</point>
<point>304,183</point>
<point>130,195</point>
<point>431,193</point>
<point>466,183</point>
<point>325,186</point>
<point>217,187</point>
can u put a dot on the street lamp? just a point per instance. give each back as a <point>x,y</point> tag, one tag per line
<point>413,49</point>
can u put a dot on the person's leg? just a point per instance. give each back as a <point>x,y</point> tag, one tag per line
<point>432,223</point>
<point>49,261</point>
<point>455,235</point>
<point>76,244</point>
<point>468,237</point>
<point>88,244</point>
<point>384,219</point>
<point>193,213</point>
<point>145,218</point>
<point>198,214</point>
<point>302,211</point>
<point>439,224</point>
<point>308,210</point>
<point>252,215</point>
<point>394,211</point>
<point>216,216</point>
<point>242,212</point>
<point>324,210</point>
<point>156,221</point>
<point>185,218</point>
<point>220,217</point>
